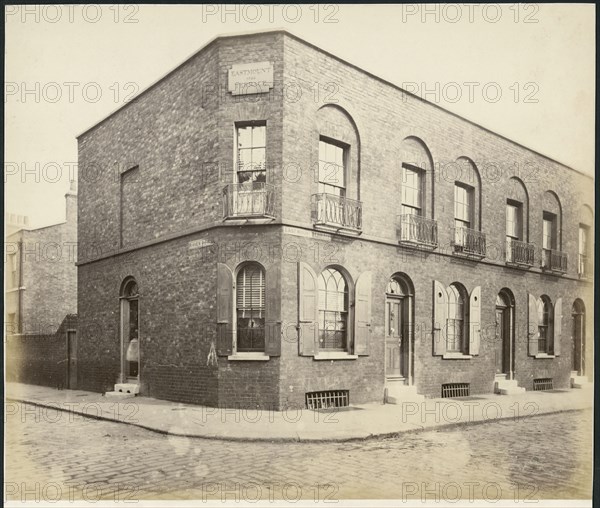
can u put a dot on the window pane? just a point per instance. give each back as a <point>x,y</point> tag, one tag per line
<point>331,165</point>
<point>244,137</point>
<point>258,159</point>
<point>411,188</point>
<point>547,234</point>
<point>259,136</point>
<point>244,160</point>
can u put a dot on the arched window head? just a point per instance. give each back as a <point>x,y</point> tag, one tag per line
<point>130,290</point>
<point>397,287</point>
<point>250,308</point>
<point>457,319</point>
<point>578,307</point>
<point>333,310</point>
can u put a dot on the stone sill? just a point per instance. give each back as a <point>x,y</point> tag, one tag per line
<point>544,355</point>
<point>335,356</point>
<point>253,357</point>
<point>456,356</point>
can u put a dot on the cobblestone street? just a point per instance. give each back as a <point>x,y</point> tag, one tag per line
<point>61,455</point>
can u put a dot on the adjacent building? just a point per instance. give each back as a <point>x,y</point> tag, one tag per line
<point>271,226</point>
<point>40,300</point>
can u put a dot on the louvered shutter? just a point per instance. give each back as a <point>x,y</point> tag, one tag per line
<point>533,331</point>
<point>307,310</point>
<point>273,312</point>
<point>557,326</point>
<point>475,321</point>
<point>440,318</point>
<point>362,314</point>
<point>224,310</point>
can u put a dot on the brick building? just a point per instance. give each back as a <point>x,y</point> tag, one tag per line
<point>40,276</point>
<point>271,226</point>
<point>40,300</point>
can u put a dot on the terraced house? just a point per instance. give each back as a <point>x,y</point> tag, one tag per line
<point>271,226</point>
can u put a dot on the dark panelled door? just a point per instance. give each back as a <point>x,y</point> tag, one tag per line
<point>72,359</point>
<point>502,341</point>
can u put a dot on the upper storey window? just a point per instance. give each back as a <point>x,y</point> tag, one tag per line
<point>412,191</point>
<point>251,153</point>
<point>332,168</point>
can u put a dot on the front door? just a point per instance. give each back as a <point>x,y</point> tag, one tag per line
<point>502,340</point>
<point>395,341</point>
<point>578,342</point>
<point>71,359</point>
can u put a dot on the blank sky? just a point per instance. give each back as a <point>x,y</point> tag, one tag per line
<point>79,63</point>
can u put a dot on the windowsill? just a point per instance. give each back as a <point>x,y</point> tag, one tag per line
<point>544,355</point>
<point>335,355</point>
<point>252,357</point>
<point>456,356</point>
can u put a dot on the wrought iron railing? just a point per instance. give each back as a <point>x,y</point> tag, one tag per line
<point>469,241</point>
<point>418,230</point>
<point>337,211</point>
<point>251,199</point>
<point>520,253</point>
<point>554,260</point>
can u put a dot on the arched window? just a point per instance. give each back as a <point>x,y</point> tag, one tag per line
<point>130,319</point>
<point>250,308</point>
<point>457,331</point>
<point>333,310</point>
<point>545,325</point>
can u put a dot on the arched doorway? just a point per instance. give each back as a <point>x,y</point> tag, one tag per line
<point>130,321</point>
<point>578,336</point>
<point>504,349</point>
<point>398,330</point>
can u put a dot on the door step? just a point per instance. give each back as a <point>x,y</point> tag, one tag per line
<point>507,386</point>
<point>396,393</point>
<point>118,395</point>
<point>580,382</point>
<point>123,391</point>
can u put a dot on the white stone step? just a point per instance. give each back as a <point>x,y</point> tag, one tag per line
<point>511,391</point>
<point>580,382</point>
<point>398,393</point>
<point>118,395</point>
<point>507,387</point>
<point>131,388</point>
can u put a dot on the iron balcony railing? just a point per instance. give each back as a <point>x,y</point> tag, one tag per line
<point>469,241</point>
<point>418,230</point>
<point>520,253</point>
<point>336,211</point>
<point>584,267</point>
<point>250,199</point>
<point>554,260</point>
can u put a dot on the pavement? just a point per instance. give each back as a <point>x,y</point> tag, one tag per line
<point>344,424</point>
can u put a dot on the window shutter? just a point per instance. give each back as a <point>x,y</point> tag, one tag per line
<point>362,314</point>
<point>475,321</point>
<point>272,313</point>
<point>533,331</point>
<point>440,317</point>
<point>307,310</point>
<point>557,326</point>
<point>224,310</point>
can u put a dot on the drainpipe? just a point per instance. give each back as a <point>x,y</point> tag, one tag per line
<point>511,340</point>
<point>20,288</point>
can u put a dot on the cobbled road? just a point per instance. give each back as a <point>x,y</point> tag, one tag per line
<point>69,457</point>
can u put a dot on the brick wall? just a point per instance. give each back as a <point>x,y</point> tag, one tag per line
<point>40,359</point>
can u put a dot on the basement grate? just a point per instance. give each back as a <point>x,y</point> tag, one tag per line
<point>542,384</point>
<point>327,399</point>
<point>455,390</point>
